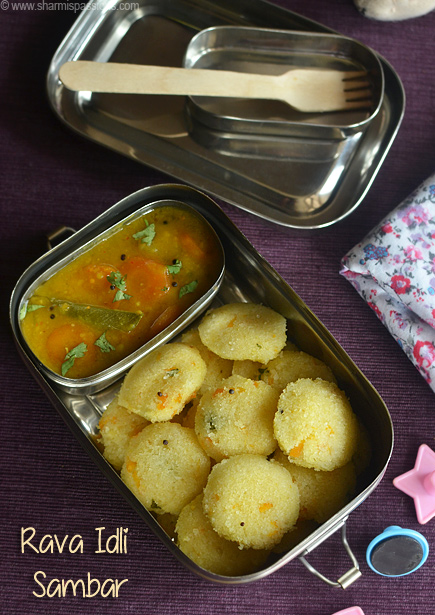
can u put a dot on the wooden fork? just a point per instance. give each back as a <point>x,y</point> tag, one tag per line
<point>308,90</point>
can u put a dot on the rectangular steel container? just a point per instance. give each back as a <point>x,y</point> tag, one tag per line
<point>273,52</point>
<point>300,183</point>
<point>248,277</point>
<point>101,228</point>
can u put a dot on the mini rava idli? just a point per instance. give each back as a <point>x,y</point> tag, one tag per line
<point>160,385</point>
<point>315,425</point>
<point>290,365</point>
<point>247,369</point>
<point>322,494</point>
<point>197,539</point>
<point>241,331</point>
<point>217,368</point>
<point>251,500</point>
<point>117,426</point>
<point>237,417</point>
<point>165,467</point>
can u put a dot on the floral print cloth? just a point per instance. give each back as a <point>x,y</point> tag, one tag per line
<point>393,269</point>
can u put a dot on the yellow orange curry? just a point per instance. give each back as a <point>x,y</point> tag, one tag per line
<point>120,293</point>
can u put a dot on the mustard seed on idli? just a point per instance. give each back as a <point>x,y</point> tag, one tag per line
<point>165,467</point>
<point>241,331</point>
<point>117,425</point>
<point>251,501</point>
<point>159,386</point>
<point>198,540</point>
<point>315,425</point>
<point>236,418</point>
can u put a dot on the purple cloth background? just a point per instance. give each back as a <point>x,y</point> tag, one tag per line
<point>49,177</point>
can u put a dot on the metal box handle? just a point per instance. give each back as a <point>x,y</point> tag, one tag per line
<point>58,235</point>
<point>348,577</point>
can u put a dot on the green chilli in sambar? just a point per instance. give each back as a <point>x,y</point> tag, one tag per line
<point>120,293</point>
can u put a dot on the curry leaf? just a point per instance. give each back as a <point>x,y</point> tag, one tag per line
<point>103,318</point>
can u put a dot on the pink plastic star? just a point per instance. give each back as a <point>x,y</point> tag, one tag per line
<point>419,483</point>
<point>354,610</point>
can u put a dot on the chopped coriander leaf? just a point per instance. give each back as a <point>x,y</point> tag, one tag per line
<point>29,308</point>
<point>117,280</point>
<point>103,344</point>
<point>76,353</point>
<point>120,295</point>
<point>147,234</point>
<point>188,288</point>
<point>211,423</point>
<point>175,267</point>
<point>170,373</point>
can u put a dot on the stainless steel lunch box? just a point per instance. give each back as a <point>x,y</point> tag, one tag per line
<point>299,183</point>
<point>248,277</point>
<point>272,52</point>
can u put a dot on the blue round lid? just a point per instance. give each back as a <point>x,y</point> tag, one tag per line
<point>397,552</point>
